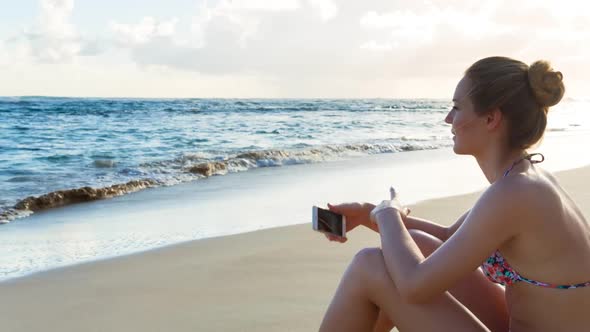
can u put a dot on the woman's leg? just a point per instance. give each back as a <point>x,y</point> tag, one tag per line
<point>485,299</point>
<point>367,298</point>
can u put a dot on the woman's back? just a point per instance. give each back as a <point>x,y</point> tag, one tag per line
<point>553,248</point>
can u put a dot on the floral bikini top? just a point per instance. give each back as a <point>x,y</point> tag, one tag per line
<point>497,269</point>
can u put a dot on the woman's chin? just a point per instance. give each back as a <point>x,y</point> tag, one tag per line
<point>457,149</point>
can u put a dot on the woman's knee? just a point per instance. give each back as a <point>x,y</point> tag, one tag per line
<point>372,258</point>
<point>367,257</point>
<point>369,265</point>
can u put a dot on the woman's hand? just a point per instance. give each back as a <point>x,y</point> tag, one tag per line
<point>392,203</point>
<point>356,214</point>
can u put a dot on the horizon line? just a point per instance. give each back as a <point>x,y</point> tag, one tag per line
<point>264,98</point>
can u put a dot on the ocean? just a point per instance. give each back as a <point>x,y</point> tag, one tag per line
<point>194,155</point>
<point>49,145</point>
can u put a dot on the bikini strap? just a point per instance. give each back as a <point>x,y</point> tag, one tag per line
<point>528,157</point>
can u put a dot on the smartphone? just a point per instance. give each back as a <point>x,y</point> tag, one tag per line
<point>326,221</point>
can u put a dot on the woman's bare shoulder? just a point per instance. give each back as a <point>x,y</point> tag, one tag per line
<point>537,184</point>
<point>529,195</point>
<point>524,187</point>
<point>547,176</point>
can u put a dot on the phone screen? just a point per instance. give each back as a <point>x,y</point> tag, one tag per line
<point>330,222</point>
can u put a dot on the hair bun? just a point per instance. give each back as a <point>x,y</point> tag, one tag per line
<point>546,84</point>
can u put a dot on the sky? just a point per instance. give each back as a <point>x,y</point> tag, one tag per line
<point>279,48</point>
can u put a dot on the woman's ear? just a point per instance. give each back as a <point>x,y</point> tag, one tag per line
<point>494,118</point>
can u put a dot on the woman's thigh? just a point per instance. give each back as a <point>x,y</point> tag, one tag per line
<point>485,299</point>
<point>443,313</point>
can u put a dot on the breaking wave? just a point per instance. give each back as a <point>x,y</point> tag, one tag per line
<point>196,166</point>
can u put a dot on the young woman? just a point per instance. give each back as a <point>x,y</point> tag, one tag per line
<point>519,260</point>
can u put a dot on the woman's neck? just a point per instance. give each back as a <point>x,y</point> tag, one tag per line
<point>495,162</point>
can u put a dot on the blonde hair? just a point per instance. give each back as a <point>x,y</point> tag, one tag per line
<point>522,93</point>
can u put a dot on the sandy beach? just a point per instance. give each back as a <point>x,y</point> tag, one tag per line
<point>279,279</point>
<point>159,163</point>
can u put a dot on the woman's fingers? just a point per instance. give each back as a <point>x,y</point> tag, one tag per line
<point>340,239</point>
<point>333,208</point>
<point>394,196</point>
<point>333,237</point>
<point>344,208</point>
<point>407,211</point>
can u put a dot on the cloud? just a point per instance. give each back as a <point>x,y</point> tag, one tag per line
<point>451,35</point>
<point>92,47</point>
<point>416,27</point>
<point>426,23</point>
<point>257,5</point>
<point>241,17</point>
<point>54,18</point>
<point>295,46</point>
<point>236,37</point>
<point>308,47</point>
<point>144,31</point>
<point>378,46</point>
<point>326,9</point>
<point>303,40</point>
<point>53,38</point>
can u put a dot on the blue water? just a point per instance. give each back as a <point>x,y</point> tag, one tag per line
<point>50,144</point>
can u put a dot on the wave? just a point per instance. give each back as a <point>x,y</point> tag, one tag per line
<point>21,179</point>
<point>204,167</point>
<point>197,166</point>
<point>11,213</point>
<point>274,132</point>
<point>60,158</point>
<point>104,163</point>
<point>60,198</point>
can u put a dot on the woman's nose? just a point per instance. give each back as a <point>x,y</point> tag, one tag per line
<point>449,118</point>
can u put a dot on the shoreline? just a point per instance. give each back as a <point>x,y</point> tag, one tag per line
<point>28,205</point>
<point>261,199</point>
<point>162,216</point>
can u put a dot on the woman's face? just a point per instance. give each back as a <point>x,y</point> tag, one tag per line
<point>466,125</point>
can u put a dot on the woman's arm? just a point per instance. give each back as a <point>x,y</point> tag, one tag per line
<point>430,227</point>
<point>437,230</point>
<point>492,221</point>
